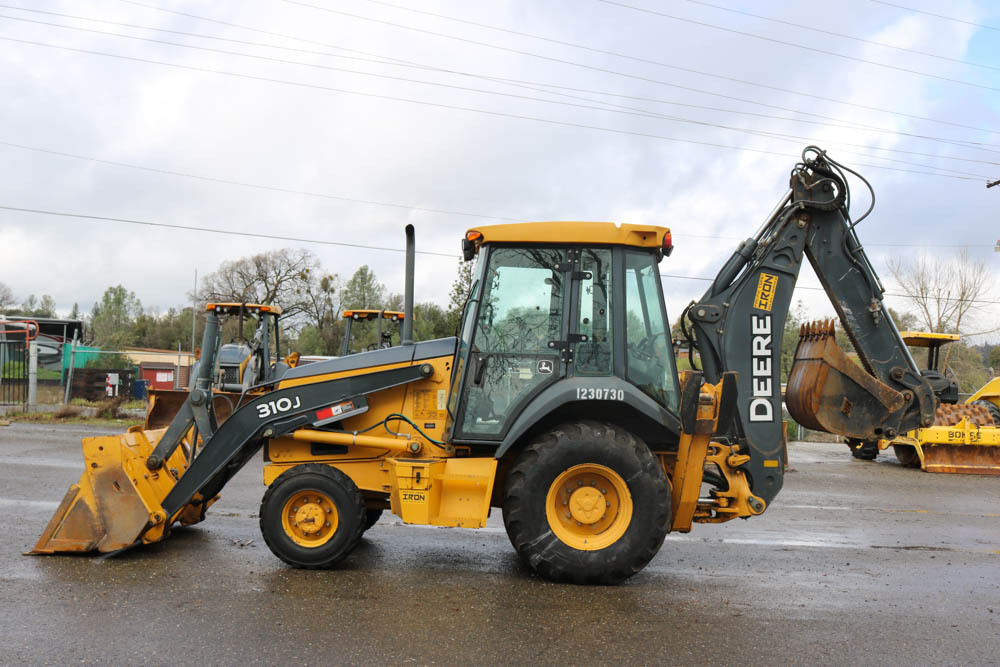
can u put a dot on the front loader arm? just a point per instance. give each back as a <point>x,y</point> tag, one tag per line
<point>738,325</point>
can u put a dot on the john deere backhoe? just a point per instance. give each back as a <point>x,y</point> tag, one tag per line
<point>558,403</point>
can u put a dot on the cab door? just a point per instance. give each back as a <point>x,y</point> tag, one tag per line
<point>519,333</point>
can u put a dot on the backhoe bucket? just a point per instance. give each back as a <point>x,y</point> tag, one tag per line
<point>116,503</point>
<point>827,391</point>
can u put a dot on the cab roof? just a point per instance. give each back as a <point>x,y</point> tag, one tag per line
<point>587,233</point>
<point>230,308</point>
<point>370,314</point>
<point>927,338</point>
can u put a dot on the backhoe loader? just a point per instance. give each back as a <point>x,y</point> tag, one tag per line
<point>964,438</point>
<point>558,403</point>
<point>238,367</point>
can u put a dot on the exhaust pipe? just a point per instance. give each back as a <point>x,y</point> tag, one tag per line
<point>407,336</point>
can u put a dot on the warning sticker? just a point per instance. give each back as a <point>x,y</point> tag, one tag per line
<point>426,405</point>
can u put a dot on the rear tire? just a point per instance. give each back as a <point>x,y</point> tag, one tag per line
<point>866,450</point>
<point>587,503</point>
<point>907,455</point>
<point>312,516</point>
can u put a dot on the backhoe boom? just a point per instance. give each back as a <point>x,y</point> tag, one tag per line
<point>739,322</point>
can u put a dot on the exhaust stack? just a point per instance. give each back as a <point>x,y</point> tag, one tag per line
<point>406,338</point>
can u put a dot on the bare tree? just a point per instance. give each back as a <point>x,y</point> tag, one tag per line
<point>946,293</point>
<point>281,277</point>
<point>7,298</point>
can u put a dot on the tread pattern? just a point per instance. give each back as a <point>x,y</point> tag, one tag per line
<point>557,450</point>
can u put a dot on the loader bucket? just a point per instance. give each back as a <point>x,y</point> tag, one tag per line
<point>165,403</point>
<point>827,391</point>
<point>116,503</point>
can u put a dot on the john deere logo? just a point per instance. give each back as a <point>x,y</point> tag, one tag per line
<point>766,287</point>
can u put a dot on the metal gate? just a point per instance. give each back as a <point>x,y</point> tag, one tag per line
<point>14,338</point>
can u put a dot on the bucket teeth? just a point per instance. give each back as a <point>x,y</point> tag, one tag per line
<point>817,329</point>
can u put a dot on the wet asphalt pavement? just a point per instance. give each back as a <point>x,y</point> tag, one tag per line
<point>855,563</point>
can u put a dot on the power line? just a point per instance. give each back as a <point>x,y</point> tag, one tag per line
<point>822,289</point>
<point>486,112</point>
<point>256,186</point>
<point>940,16</point>
<point>276,237</point>
<point>620,109</point>
<point>838,34</point>
<point>617,73</point>
<point>214,230</point>
<point>533,85</point>
<point>795,45</point>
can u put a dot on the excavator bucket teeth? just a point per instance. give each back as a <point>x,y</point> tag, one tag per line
<point>116,503</point>
<point>827,391</point>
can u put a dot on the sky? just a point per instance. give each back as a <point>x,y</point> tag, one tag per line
<point>341,121</point>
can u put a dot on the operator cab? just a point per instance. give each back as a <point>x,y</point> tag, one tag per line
<point>574,316</point>
<point>944,387</point>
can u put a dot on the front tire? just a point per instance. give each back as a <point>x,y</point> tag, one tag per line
<point>866,450</point>
<point>587,503</point>
<point>312,516</point>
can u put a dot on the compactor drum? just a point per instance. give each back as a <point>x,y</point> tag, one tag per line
<point>559,402</point>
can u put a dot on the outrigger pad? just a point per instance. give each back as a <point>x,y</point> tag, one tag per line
<point>827,391</point>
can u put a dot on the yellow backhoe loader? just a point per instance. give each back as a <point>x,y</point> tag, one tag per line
<point>558,403</point>
<point>964,438</point>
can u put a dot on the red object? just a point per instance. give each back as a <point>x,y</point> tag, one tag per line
<point>668,244</point>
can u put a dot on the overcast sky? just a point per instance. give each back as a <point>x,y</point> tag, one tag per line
<point>329,104</point>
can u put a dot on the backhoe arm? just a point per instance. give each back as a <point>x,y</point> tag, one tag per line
<point>739,322</point>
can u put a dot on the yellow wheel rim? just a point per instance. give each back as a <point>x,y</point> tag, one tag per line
<point>589,507</point>
<point>309,518</point>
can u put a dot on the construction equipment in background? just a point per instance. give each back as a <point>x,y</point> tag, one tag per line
<point>384,337</point>
<point>238,366</point>
<point>559,402</point>
<point>964,438</point>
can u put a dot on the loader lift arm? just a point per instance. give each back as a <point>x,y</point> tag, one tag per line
<point>738,324</point>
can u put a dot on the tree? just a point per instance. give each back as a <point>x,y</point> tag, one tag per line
<point>279,277</point>
<point>112,319</point>
<point>7,298</point>
<point>75,313</point>
<point>460,289</point>
<point>947,293</point>
<point>430,321</point>
<point>35,307</point>
<point>363,290</point>
<point>995,359</point>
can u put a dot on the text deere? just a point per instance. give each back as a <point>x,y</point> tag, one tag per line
<point>761,405</point>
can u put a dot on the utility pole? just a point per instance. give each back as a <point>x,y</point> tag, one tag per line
<point>194,308</point>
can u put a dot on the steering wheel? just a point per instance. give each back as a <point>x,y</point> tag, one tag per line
<point>645,349</point>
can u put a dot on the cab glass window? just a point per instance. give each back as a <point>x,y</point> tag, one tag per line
<point>649,355</point>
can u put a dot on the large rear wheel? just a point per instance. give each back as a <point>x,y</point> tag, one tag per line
<point>312,516</point>
<point>587,503</point>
